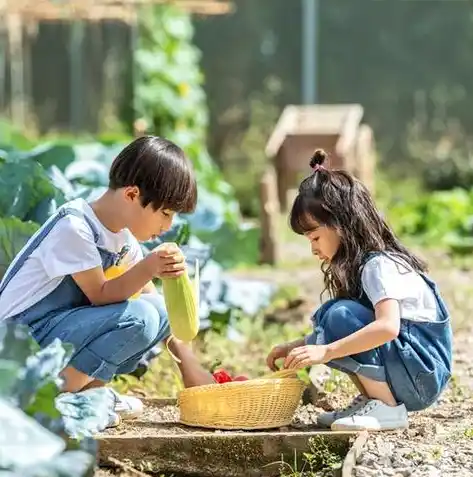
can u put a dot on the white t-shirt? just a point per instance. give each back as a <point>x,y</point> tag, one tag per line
<point>68,248</point>
<point>385,278</point>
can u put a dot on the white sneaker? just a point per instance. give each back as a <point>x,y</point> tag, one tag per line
<point>374,416</point>
<point>128,407</point>
<point>326,419</point>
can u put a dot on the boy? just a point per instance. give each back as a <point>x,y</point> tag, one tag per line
<point>56,285</point>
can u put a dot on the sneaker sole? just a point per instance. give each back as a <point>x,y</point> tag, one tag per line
<point>389,427</point>
<point>128,416</point>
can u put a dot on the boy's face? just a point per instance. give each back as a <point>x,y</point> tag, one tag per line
<point>145,223</point>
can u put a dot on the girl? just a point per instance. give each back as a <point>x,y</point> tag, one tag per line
<point>386,324</point>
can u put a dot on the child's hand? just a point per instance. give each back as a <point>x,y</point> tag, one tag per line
<point>168,261</point>
<point>308,355</point>
<point>281,351</point>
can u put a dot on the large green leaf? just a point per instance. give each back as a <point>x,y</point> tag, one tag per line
<point>32,424</point>
<point>13,236</point>
<point>24,441</point>
<point>13,138</point>
<point>50,154</point>
<point>23,185</point>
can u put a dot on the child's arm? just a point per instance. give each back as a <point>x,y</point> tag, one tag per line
<point>167,262</point>
<point>150,288</point>
<point>385,282</point>
<point>385,328</point>
<point>135,256</point>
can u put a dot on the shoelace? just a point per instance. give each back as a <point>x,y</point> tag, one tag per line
<point>370,405</point>
<point>354,403</point>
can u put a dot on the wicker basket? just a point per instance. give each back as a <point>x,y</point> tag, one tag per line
<point>253,404</point>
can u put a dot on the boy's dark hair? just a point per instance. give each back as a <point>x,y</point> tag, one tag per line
<point>160,170</point>
<point>336,199</point>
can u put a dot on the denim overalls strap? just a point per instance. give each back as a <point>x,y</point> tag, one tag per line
<point>41,234</point>
<point>442,307</point>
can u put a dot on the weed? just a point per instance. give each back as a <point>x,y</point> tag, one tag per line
<point>322,460</point>
<point>437,453</point>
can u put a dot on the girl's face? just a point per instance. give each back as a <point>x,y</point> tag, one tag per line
<point>324,241</point>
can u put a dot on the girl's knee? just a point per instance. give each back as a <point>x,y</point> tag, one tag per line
<point>344,318</point>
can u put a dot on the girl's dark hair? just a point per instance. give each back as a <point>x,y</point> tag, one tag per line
<point>160,170</point>
<point>336,199</point>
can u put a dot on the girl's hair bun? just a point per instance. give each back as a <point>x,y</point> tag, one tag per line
<point>318,158</point>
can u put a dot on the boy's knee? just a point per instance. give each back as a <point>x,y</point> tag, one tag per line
<point>147,322</point>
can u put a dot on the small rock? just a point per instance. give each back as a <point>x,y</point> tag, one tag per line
<point>368,459</point>
<point>362,471</point>
<point>428,471</point>
<point>400,462</point>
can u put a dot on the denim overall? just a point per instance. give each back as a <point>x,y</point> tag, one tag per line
<point>417,365</point>
<point>108,339</point>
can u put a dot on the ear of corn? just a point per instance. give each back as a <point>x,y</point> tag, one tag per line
<point>182,304</point>
<point>115,271</point>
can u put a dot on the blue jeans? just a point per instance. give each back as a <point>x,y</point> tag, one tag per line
<point>412,365</point>
<point>107,340</point>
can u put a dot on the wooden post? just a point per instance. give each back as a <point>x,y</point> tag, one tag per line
<point>3,63</point>
<point>269,215</point>
<point>15,43</point>
<point>76,98</point>
<point>366,157</point>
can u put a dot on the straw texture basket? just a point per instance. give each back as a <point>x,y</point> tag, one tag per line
<point>253,404</point>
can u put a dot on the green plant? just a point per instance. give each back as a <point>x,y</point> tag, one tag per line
<point>436,219</point>
<point>322,460</point>
<point>469,433</point>
<point>32,425</point>
<point>339,381</point>
<point>170,97</point>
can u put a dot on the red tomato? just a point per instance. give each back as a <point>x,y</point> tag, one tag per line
<point>240,378</point>
<point>221,376</point>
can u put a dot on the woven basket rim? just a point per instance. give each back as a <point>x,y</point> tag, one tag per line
<point>249,383</point>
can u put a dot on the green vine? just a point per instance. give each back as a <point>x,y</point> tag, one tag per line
<point>170,96</point>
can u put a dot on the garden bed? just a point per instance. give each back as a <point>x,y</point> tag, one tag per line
<point>158,444</point>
